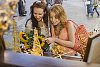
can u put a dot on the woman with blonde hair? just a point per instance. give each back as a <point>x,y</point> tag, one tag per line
<point>62,31</point>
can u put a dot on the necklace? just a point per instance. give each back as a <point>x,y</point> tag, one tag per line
<point>40,23</point>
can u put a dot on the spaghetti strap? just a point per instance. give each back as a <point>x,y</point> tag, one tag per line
<point>27,22</point>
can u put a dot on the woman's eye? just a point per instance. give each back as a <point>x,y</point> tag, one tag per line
<point>50,17</point>
<point>34,13</point>
<point>40,14</point>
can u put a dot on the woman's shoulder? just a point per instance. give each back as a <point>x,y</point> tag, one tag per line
<point>70,23</point>
<point>28,22</point>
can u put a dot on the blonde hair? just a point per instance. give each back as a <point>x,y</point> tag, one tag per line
<point>60,13</point>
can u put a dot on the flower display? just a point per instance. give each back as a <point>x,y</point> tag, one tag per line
<point>23,37</point>
<point>33,43</point>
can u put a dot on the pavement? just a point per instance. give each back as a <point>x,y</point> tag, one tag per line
<point>75,10</point>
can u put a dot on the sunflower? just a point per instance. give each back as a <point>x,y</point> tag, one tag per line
<point>23,37</point>
<point>42,40</point>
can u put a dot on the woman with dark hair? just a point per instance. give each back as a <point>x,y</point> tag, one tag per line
<point>38,19</point>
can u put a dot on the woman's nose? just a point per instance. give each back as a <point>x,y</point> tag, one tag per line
<point>37,16</point>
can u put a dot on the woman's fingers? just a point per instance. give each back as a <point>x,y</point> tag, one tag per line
<point>50,40</point>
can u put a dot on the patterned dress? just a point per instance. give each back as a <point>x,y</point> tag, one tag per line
<point>59,49</point>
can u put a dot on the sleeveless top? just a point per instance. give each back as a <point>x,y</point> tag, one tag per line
<point>43,30</point>
<point>63,34</point>
<point>61,49</point>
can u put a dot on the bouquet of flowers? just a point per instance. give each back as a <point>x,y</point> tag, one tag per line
<point>32,43</point>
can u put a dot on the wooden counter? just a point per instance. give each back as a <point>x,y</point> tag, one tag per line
<point>11,59</point>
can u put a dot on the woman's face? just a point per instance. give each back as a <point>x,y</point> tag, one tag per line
<point>38,13</point>
<point>54,20</point>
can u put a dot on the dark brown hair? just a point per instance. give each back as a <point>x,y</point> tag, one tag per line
<point>42,5</point>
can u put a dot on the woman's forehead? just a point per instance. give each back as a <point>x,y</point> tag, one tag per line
<point>52,13</point>
<point>38,9</point>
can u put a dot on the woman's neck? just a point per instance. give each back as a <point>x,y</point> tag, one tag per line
<point>58,29</point>
<point>41,23</point>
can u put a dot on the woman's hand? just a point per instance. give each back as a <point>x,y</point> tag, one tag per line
<point>50,40</point>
